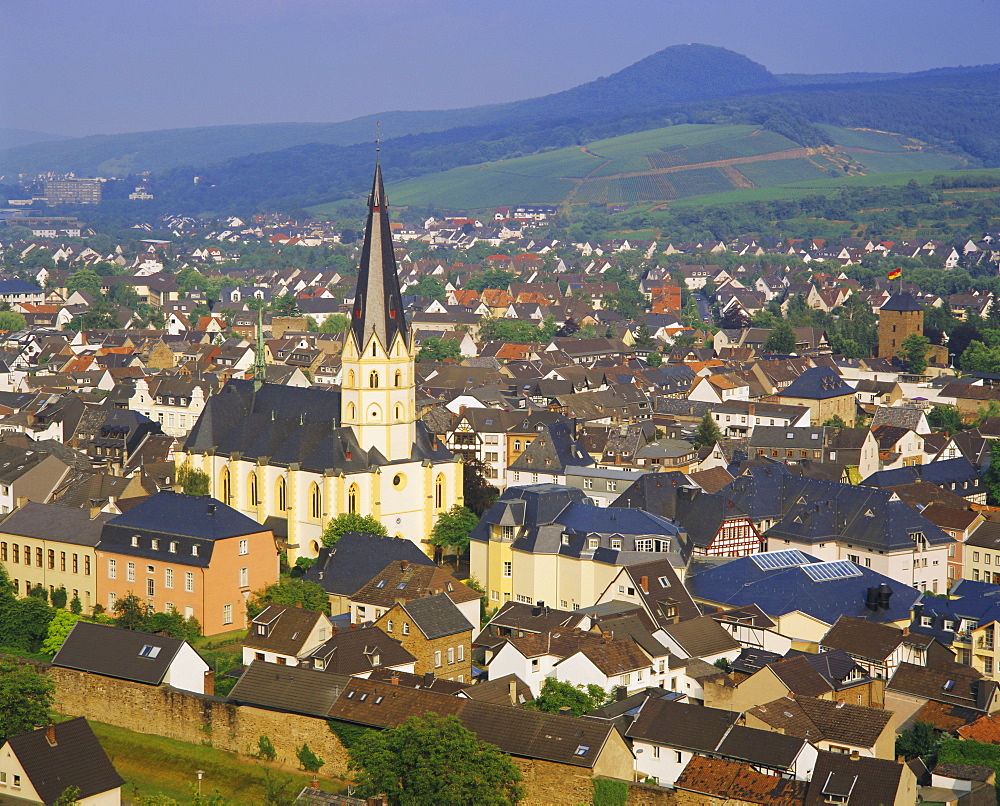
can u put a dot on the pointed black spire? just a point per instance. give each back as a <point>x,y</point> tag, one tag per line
<point>378,303</point>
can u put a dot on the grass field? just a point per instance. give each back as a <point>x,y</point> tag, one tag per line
<point>573,176</point>
<point>153,765</point>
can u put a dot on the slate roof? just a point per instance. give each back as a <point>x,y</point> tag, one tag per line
<point>346,567</point>
<point>817,383</point>
<point>901,416</point>
<point>865,639</point>
<point>702,636</point>
<point>902,302</point>
<point>288,424</point>
<point>114,652</point>
<point>355,652</point>
<point>867,781</point>
<point>740,582</point>
<point>968,689</point>
<point>76,759</point>
<point>814,720</point>
<point>567,740</point>
<point>682,725</point>
<point>287,629</point>
<point>289,688</point>
<point>405,580</point>
<point>958,475</point>
<point>55,522</point>
<point>664,589</point>
<point>436,616</point>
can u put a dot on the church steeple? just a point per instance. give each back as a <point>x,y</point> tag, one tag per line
<point>378,302</point>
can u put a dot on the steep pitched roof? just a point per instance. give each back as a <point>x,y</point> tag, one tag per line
<point>114,652</point>
<point>63,756</point>
<point>436,616</point>
<point>345,567</point>
<point>814,719</point>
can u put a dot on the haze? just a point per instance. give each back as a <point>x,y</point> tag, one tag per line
<point>114,66</point>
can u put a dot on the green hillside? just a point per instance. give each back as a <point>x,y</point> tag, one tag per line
<point>667,164</point>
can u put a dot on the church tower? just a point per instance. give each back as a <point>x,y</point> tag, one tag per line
<point>901,316</point>
<point>378,384</point>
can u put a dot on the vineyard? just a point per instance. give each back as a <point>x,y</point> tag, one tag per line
<point>669,164</point>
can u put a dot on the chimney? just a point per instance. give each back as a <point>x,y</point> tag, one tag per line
<point>347,454</point>
<point>334,630</point>
<point>428,679</point>
<point>50,735</point>
<point>605,636</point>
<point>855,755</point>
<point>871,599</point>
<point>314,783</point>
<point>404,564</point>
<point>884,594</point>
<point>21,501</point>
<point>353,626</point>
<point>644,583</point>
<point>840,704</point>
<point>621,693</point>
<point>512,691</point>
<point>393,681</point>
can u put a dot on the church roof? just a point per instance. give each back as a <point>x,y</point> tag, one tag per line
<point>378,303</point>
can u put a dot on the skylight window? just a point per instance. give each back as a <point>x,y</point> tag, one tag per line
<point>149,651</point>
<point>381,583</point>
<point>400,586</point>
<point>581,750</point>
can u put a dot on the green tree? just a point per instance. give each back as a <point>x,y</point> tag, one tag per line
<point>558,694</point>
<point>335,324</point>
<point>836,422</point>
<point>914,352</point>
<point>352,522</point>
<point>59,597</point>
<point>643,337</point>
<point>919,741</point>
<point>653,360</point>
<point>59,628</point>
<point>175,625</point>
<point>492,278</point>
<point>285,305</point>
<point>452,529</point>
<point>977,357</point>
<point>781,340</point>
<point>430,760</point>
<point>308,760</point>
<point>991,478</point>
<point>429,287</point>
<point>70,796</point>
<point>477,492</point>
<point>86,280</point>
<point>191,480</point>
<point>434,349</point>
<point>292,592</point>
<point>131,613</point>
<point>25,699</point>
<point>11,320</point>
<point>707,433</point>
<point>946,418</point>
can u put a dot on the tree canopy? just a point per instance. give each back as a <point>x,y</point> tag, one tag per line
<point>707,433</point>
<point>452,529</point>
<point>559,694</point>
<point>430,760</point>
<point>781,340</point>
<point>434,349</point>
<point>292,592</point>
<point>352,522</point>
<point>25,699</point>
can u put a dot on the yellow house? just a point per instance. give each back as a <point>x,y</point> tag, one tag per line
<point>53,546</point>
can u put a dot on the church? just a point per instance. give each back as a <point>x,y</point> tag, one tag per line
<point>295,458</point>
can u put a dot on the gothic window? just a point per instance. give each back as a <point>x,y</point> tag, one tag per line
<point>350,377</point>
<point>224,486</point>
<point>374,350</point>
<point>350,411</point>
<point>439,491</point>
<point>397,380</point>
<point>282,502</point>
<point>315,501</point>
<point>399,412</point>
<point>373,380</point>
<point>252,489</point>
<point>352,498</point>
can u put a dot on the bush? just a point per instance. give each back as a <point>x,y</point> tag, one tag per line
<point>59,597</point>
<point>76,606</point>
<point>610,793</point>
<point>265,749</point>
<point>308,760</point>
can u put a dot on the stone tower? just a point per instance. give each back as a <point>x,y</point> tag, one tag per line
<point>901,316</point>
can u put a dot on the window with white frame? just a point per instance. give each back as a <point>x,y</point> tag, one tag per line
<point>189,581</point>
<point>244,577</point>
<point>437,659</point>
<point>227,614</point>
<point>508,568</point>
<point>130,572</point>
<point>168,578</point>
<point>244,547</point>
<point>112,568</point>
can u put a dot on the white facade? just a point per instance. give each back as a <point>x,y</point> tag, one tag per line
<point>187,670</point>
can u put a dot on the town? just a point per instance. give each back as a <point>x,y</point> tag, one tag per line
<point>672,522</point>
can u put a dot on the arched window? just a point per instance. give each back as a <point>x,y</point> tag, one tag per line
<point>439,491</point>
<point>225,491</point>
<point>397,379</point>
<point>280,494</point>
<point>399,412</point>
<point>351,411</point>
<point>352,498</point>
<point>315,501</point>
<point>374,351</point>
<point>373,380</point>
<point>252,489</point>
<point>350,377</point>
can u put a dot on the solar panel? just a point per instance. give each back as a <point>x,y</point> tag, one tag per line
<point>772,560</point>
<point>837,569</point>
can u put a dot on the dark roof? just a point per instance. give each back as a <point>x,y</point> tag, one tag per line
<point>359,651</point>
<point>378,304</point>
<point>817,383</point>
<point>867,781</point>
<point>289,688</point>
<point>702,636</point>
<point>287,629</point>
<point>902,302</point>
<point>683,725</point>
<point>576,741</point>
<point>436,616</point>
<point>345,568</point>
<point>814,719</point>
<point>114,652</point>
<point>55,522</point>
<point>76,759</point>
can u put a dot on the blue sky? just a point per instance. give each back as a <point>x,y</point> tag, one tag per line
<point>108,66</point>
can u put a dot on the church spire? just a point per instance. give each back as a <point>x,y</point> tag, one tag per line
<point>378,303</point>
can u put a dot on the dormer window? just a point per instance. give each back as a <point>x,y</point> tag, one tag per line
<point>135,541</point>
<point>194,550</point>
<point>155,544</point>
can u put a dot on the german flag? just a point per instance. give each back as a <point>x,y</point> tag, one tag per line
<point>895,274</point>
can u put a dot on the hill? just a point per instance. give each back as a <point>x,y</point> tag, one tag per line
<point>669,163</point>
<point>676,74</point>
<point>13,138</point>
